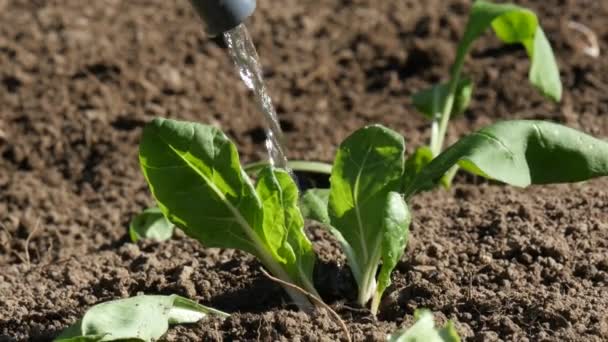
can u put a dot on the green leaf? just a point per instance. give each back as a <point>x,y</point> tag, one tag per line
<point>141,318</point>
<point>520,153</point>
<point>313,205</point>
<point>194,173</point>
<point>544,72</point>
<point>430,102</point>
<point>151,224</point>
<point>424,331</point>
<point>368,165</point>
<point>421,157</point>
<point>284,225</point>
<point>514,24</point>
<point>395,231</point>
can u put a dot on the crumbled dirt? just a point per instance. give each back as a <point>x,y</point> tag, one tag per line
<point>77,83</point>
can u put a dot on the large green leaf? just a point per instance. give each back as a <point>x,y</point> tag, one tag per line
<point>284,224</point>
<point>515,24</point>
<point>424,331</point>
<point>395,231</point>
<point>520,153</point>
<point>194,173</point>
<point>151,224</point>
<point>430,102</point>
<point>368,165</point>
<point>141,318</point>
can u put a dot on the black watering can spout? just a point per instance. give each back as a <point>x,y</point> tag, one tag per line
<point>220,16</point>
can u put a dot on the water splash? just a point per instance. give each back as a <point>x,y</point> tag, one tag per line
<point>246,60</point>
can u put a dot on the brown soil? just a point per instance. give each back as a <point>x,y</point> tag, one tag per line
<point>78,81</point>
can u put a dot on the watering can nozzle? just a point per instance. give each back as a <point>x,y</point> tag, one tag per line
<point>220,16</point>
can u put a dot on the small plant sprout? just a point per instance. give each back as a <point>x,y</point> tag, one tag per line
<point>194,174</point>
<point>424,330</point>
<point>366,205</point>
<point>151,224</point>
<point>513,25</point>
<point>140,318</point>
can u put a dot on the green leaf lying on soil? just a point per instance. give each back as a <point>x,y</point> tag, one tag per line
<point>140,318</point>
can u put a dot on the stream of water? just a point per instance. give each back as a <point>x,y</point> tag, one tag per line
<point>246,60</point>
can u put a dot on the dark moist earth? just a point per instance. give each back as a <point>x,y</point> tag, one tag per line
<point>78,81</point>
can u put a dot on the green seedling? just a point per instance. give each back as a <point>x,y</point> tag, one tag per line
<point>424,330</point>
<point>513,25</point>
<point>371,184</point>
<point>369,217</point>
<point>151,224</point>
<point>195,176</point>
<point>141,318</point>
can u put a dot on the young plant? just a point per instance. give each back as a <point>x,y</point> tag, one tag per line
<point>370,219</point>
<point>140,318</point>
<point>195,176</point>
<point>151,224</point>
<point>424,330</point>
<point>513,25</point>
<point>366,213</point>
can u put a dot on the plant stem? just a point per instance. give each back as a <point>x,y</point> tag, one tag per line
<point>368,284</point>
<point>376,303</point>
<point>367,287</point>
<point>295,165</point>
<point>438,136</point>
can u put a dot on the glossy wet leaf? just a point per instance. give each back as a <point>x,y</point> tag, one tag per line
<point>368,166</point>
<point>424,330</point>
<point>514,24</point>
<point>140,318</point>
<point>520,153</point>
<point>151,224</point>
<point>395,231</point>
<point>430,102</point>
<point>194,173</point>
